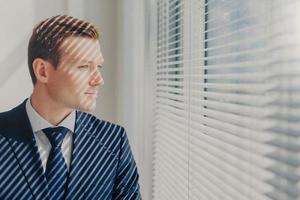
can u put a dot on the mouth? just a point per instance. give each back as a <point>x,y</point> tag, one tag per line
<point>92,94</point>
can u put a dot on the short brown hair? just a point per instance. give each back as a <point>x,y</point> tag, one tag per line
<point>49,34</point>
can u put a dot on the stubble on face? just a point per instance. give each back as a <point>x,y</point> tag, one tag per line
<point>78,69</point>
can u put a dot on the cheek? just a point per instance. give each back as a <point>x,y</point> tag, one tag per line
<point>81,80</point>
<point>72,82</point>
<point>76,86</point>
<point>55,83</point>
<point>80,76</point>
<point>63,85</point>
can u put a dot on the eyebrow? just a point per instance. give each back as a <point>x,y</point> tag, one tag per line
<point>83,62</point>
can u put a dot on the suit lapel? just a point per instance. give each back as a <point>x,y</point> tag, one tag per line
<point>21,138</point>
<point>81,142</point>
<point>93,161</point>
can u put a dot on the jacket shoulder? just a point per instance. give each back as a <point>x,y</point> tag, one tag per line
<point>106,133</point>
<point>99,124</point>
<point>4,118</point>
<point>8,119</point>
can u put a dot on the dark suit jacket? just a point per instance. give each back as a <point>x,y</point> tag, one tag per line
<point>102,165</point>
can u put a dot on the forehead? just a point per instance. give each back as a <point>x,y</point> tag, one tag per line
<point>81,49</point>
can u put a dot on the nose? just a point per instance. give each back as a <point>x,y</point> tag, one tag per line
<point>96,78</point>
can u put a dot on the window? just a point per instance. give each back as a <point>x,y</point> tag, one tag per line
<point>171,123</point>
<point>227,100</point>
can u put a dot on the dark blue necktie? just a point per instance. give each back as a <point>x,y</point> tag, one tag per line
<point>56,169</point>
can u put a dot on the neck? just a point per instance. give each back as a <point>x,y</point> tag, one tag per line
<point>46,107</point>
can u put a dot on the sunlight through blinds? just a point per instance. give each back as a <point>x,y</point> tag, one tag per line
<point>227,100</point>
<point>171,106</point>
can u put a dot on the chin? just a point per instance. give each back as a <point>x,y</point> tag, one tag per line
<point>86,105</point>
<point>87,108</point>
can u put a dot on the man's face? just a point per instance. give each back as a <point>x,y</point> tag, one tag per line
<point>75,82</point>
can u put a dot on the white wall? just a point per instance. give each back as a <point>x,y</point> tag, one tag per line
<point>134,86</point>
<point>17,20</point>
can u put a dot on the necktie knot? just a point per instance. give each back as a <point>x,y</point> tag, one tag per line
<point>56,135</point>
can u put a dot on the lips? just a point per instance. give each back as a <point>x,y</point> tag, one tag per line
<point>91,93</point>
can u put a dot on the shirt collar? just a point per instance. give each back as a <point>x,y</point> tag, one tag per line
<point>39,123</point>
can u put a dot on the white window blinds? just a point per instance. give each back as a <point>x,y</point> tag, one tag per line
<point>171,118</point>
<point>227,100</point>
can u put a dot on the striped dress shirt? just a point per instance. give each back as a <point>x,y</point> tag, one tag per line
<point>38,123</point>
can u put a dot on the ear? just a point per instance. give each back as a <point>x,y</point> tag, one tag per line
<point>40,68</point>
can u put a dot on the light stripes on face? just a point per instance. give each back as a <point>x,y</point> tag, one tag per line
<point>79,73</point>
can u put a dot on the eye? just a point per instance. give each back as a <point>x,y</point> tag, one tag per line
<point>82,67</point>
<point>99,67</point>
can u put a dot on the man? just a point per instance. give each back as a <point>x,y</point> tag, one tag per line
<point>50,147</point>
